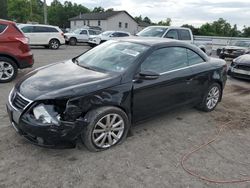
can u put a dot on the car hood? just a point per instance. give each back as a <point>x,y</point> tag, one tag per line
<point>244,60</point>
<point>69,34</point>
<point>235,48</point>
<point>64,80</point>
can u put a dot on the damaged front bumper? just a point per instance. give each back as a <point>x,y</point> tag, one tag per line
<point>63,135</point>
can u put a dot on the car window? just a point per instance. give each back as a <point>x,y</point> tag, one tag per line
<point>84,32</point>
<point>152,32</point>
<point>27,29</point>
<point>114,56</point>
<point>166,59</point>
<point>194,58</point>
<point>92,32</point>
<point>2,27</point>
<point>121,34</point>
<point>184,34</point>
<point>173,34</point>
<point>42,29</point>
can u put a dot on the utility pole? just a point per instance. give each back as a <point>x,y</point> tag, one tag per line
<point>45,12</point>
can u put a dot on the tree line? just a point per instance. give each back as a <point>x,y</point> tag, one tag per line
<point>23,11</point>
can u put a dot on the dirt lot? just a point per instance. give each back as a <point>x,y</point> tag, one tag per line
<point>151,155</point>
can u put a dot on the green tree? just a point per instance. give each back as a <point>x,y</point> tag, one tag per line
<point>59,14</point>
<point>246,32</point>
<point>147,20</point>
<point>3,12</point>
<point>109,10</point>
<point>98,9</point>
<point>138,18</point>
<point>167,22</point>
<point>19,10</point>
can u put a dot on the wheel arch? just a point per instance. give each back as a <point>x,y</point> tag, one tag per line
<point>10,57</point>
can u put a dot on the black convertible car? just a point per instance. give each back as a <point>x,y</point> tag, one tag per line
<point>99,94</point>
<point>240,67</point>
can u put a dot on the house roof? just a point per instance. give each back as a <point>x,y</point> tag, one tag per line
<point>99,15</point>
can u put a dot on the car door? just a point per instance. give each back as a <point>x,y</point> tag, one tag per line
<point>28,32</point>
<point>41,35</point>
<point>171,89</point>
<point>201,73</point>
<point>83,36</point>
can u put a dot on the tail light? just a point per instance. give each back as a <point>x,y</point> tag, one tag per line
<point>23,40</point>
<point>225,67</point>
<point>62,34</point>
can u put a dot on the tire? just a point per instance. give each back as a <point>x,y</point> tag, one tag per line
<point>54,44</point>
<point>8,70</point>
<point>222,57</point>
<point>92,45</point>
<point>72,41</point>
<point>92,132</point>
<point>215,98</point>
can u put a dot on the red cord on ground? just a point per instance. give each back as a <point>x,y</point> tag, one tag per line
<point>188,155</point>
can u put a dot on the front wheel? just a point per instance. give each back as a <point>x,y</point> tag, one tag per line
<point>211,98</point>
<point>54,44</point>
<point>108,126</point>
<point>8,70</point>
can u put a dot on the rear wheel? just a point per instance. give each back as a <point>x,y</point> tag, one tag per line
<point>54,44</point>
<point>211,98</point>
<point>72,41</point>
<point>8,70</point>
<point>108,126</point>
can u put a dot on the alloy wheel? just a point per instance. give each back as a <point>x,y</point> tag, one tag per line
<point>108,131</point>
<point>54,44</point>
<point>6,70</point>
<point>213,97</point>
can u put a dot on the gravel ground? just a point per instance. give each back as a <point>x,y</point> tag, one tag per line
<point>151,155</point>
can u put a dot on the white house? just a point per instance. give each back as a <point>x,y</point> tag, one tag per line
<point>111,20</point>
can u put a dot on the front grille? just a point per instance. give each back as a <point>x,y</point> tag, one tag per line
<point>19,101</point>
<point>243,67</point>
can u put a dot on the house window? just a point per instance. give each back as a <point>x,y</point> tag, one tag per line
<point>88,23</point>
<point>120,24</point>
<point>99,22</point>
<point>84,22</point>
<point>126,25</point>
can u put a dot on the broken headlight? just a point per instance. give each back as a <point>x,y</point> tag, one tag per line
<point>46,114</point>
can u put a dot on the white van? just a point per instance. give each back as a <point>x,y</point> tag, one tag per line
<point>43,35</point>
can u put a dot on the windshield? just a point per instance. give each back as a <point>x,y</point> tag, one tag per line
<point>107,33</point>
<point>77,31</point>
<point>242,44</point>
<point>152,32</point>
<point>114,56</point>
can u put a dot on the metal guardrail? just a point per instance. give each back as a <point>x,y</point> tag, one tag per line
<point>218,42</point>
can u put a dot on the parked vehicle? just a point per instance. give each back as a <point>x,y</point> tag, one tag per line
<point>105,36</point>
<point>14,51</point>
<point>240,67</point>
<point>43,35</point>
<point>99,94</point>
<point>80,35</point>
<point>177,33</point>
<point>236,50</point>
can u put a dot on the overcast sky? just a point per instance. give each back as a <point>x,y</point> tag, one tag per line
<point>195,12</point>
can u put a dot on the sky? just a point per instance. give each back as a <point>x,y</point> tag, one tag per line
<point>194,12</point>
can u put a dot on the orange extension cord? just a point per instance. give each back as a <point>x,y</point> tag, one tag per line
<point>188,155</point>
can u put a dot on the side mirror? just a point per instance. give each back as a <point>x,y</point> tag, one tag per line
<point>149,75</point>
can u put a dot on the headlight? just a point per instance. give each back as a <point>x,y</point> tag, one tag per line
<point>45,114</point>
